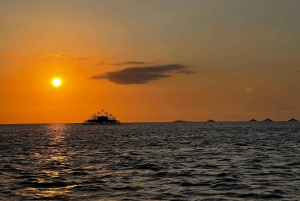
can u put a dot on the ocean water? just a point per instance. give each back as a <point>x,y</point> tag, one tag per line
<point>151,161</point>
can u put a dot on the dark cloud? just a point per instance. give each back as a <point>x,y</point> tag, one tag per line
<point>142,75</point>
<point>131,63</point>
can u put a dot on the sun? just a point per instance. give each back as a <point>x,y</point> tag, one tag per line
<point>56,82</point>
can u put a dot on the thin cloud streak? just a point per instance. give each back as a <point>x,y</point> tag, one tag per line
<point>54,56</point>
<point>142,75</point>
<point>132,63</point>
<point>70,58</point>
<point>84,58</point>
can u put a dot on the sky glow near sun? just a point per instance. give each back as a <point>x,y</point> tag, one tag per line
<point>149,62</point>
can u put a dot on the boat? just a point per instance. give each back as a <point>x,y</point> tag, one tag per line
<point>180,121</point>
<point>252,120</point>
<point>211,120</point>
<point>101,118</point>
<point>267,119</point>
<point>293,119</point>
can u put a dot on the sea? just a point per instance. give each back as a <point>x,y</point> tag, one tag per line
<point>151,161</point>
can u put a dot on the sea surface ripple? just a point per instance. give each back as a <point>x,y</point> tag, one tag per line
<point>151,161</point>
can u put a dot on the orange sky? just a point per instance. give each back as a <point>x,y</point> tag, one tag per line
<point>149,61</point>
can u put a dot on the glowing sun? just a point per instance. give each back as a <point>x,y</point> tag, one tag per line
<point>56,82</point>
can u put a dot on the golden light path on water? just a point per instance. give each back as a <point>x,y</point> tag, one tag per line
<point>53,162</point>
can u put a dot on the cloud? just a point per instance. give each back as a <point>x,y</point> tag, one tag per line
<point>54,56</point>
<point>89,58</point>
<point>83,58</point>
<point>142,75</point>
<point>72,57</point>
<point>76,58</point>
<point>112,62</point>
<point>12,54</point>
<point>131,63</point>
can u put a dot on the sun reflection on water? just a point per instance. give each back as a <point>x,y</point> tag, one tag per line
<point>52,164</point>
<point>56,133</point>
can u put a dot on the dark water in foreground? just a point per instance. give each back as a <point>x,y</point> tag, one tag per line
<point>151,161</point>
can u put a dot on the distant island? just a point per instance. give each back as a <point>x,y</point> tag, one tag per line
<point>211,120</point>
<point>293,119</point>
<point>267,119</point>
<point>252,120</point>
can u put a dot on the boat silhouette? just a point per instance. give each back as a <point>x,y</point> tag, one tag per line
<point>180,121</point>
<point>293,119</point>
<point>101,118</point>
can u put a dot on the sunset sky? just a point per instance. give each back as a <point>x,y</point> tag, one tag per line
<point>149,60</point>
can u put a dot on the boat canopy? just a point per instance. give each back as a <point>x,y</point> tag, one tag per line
<point>102,117</point>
